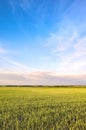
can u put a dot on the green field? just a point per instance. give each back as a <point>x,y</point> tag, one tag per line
<point>42,108</point>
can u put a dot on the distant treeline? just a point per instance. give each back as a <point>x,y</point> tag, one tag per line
<point>50,86</point>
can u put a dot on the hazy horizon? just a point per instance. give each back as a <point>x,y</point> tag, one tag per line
<point>42,42</point>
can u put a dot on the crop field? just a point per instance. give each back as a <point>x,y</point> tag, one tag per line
<point>38,108</point>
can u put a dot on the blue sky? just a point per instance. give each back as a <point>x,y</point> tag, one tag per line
<point>43,42</point>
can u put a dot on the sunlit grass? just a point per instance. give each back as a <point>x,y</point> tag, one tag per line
<point>46,108</point>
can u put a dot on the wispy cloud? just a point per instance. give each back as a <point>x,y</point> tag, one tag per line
<point>12,4</point>
<point>69,47</point>
<point>12,66</point>
<point>9,65</point>
<point>23,4</point>
<point>2,51</point>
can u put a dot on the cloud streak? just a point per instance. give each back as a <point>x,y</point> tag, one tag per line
<point>9,65</point>
<point>69,47</point>
<point>41,78</point>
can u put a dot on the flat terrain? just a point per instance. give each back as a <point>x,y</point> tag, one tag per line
<point>35,108</point>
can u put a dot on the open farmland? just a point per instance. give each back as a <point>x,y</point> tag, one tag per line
<point>38,108</point>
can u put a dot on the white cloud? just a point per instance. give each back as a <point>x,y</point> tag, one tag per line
<point>41,78</point>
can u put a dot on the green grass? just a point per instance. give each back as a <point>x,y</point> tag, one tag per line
<point>42,108</point>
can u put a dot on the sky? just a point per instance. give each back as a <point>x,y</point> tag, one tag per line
<point>43,42</point>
